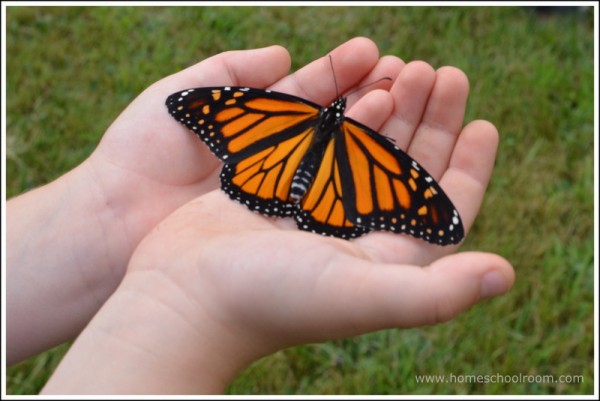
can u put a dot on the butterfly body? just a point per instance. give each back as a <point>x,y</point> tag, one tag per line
<point>286,156</point>
<point>330,119</point>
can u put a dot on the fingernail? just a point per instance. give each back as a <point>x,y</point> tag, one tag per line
<point>493,284</point>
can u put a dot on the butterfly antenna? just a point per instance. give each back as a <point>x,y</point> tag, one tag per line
<point>337,90</point>
<point>369,84</point>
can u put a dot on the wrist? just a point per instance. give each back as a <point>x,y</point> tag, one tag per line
<point>60,265</point>
<point>151,338</point>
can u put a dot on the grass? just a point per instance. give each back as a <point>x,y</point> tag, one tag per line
<point>70,71</point>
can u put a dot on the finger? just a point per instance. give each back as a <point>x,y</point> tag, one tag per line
<point>441,123</point>
<point>411,91</point>
<point>351,62</point>
<point>470,168</point>
<point>373,109</point>
<point>372,298</point>
<point>254,68</point>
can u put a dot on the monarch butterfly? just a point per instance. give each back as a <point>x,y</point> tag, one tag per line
<point>287,156</point>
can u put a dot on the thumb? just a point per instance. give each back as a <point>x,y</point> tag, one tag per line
<point>409,296</point>
<point>464,279</point>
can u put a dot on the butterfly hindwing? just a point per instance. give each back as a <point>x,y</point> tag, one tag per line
<point>262,181</point>
<point>322,208</point>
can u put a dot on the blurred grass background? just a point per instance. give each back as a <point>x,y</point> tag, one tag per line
<point>71,70</point>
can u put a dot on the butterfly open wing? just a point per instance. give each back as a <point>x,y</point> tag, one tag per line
<point>260,135</point>
<point>385,189</point>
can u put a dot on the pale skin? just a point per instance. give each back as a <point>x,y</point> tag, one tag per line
<point>174,288</point>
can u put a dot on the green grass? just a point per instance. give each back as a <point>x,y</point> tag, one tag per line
<point>70,71</point>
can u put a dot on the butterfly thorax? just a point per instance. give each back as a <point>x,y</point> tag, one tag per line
<point>329,121</point>
<point>331,117</point>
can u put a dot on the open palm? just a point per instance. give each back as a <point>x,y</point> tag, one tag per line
<point>148,165</point>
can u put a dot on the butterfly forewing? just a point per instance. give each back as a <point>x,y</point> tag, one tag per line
<point>236,122</point>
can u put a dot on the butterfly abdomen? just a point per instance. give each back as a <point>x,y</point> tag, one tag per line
<point>305,174</point>
<point>301,182</point>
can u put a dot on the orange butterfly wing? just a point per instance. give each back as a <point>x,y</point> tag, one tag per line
<point>261,136</point>
<point>385,189</point>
